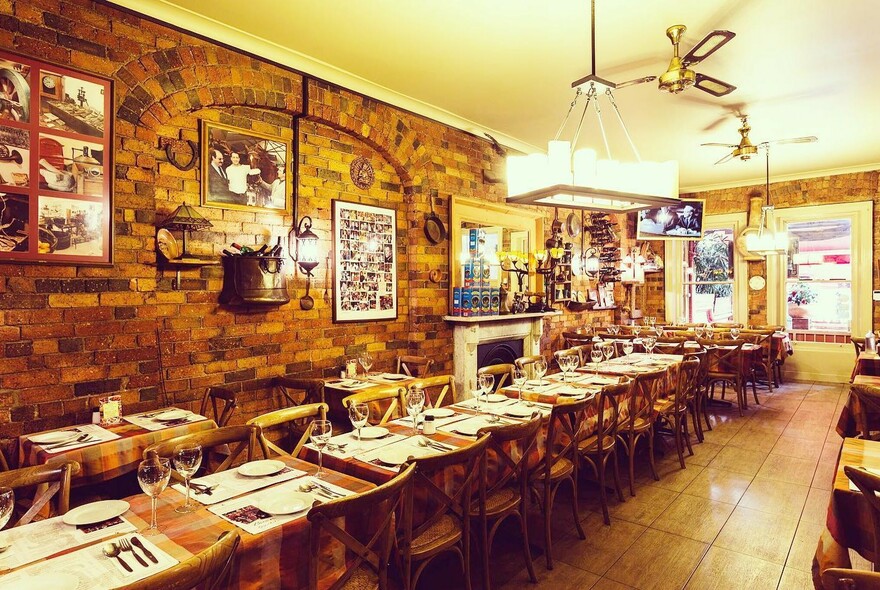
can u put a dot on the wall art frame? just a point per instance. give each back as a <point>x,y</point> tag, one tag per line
<point>56,163</point>
<point>364,262</point>
<point>244,170</point>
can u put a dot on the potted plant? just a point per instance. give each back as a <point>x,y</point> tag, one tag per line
<point>799,295</point>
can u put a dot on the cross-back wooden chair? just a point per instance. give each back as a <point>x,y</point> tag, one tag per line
<point>51,483</point>
<point>869,485</point>
<point>835,578</point>
<point>761,364</point>
<point>369,547</point>
<point>221,401</point>
<point>599,449</point>
<point>299,390</point>
<point>699,411</point>
<point>414,366</point>
<point>583,351</point>
<point>510,446</point>
<point>858,343</point>
<point>560,465</point>
<point>578,337</point>
<point>867,409</point>
<point>724,359</point>
<point>383,401</point>
<point>4,466</point>
<point>574,351</point>
<point>639,421</point>
<point>503,372</point>
<point>290,424</point>
<point>672,411</point>
<point>446,526</point>
<point>239,440</point>
<point>439,391</point>
<point>525,363</point>
<point>670,345</point>
<point>209,569</point>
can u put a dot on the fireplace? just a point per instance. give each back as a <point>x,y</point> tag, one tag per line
<point>497,353</point>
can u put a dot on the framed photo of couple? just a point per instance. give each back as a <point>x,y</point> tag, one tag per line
<point>243,169</point>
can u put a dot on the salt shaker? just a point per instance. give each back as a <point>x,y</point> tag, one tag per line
<point>428,427</point>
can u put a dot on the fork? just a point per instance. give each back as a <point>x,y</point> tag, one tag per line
<point>125,545</point>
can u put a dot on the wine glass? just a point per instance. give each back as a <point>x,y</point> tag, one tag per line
<point>596,356</point>
<point>187,460</point>
<point>540,370</point>
<point>734,333</point>
<point>358,413</point>
<point>519,379</point>
<point>614,329</point>
<point>7,504</point>
<point>637,329</point>
<point>652,320</point>
<point>627,348</point>
<point>649,342</point>
<point>415,403</point>
<point>320,434</point>
<point>563,366</point>
<point>608,350</point>
<point>476,391</point>
<point>153,475</point>
<point>488,384</point>
<point>699,331</point>
<point>366,361</point>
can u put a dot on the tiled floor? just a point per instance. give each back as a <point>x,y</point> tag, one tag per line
<point>746,513</point>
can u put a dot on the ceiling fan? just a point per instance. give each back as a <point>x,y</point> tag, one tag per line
<point>745,149</point>
<point>679,76</point>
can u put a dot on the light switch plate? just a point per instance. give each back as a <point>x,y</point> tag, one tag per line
<point>876,296</point>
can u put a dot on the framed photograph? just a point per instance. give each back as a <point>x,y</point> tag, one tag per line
<point>244,170</point>
<point>681,222</point>
<point>55,163</point>
<point>364,262</point>
<point>606,293</point>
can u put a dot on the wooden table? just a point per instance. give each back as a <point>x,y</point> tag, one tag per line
<point>846,423</point>
<point>867,363</point>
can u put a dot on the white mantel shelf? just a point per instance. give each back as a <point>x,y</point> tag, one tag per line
<point>510,317</point>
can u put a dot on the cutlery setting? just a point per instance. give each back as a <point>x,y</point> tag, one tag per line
<point>438,446</point>
<point>321,490</point>
<point>200,488</point>
<point>80,439</point>
<point>115,549</point>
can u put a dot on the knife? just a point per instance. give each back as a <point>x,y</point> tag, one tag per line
<point>80,439</point>
<point>137,543</point>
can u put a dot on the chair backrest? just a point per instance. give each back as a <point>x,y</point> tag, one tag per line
<point>526,362</point>
<point>414,366</point>
<point>670,345</point>
<point>726,325</point>
<point>723,357</point>
<point>578,337</point>
<point>222,402</point>
<point>511,446</point>
<point>869,404</point>
<point>869,485</point>
<point>643,395</point>
<point>383,401</point>
<point>300,390</point>
<point>289,419</point>
<point>57,476</point>
<point>858,343</point>
<point>703,369</point>
<point>607,404</point>
<point>208,569</point>
<point>439,391</point>
<point>563,432</point>
<point>502,373</point>
<point>239,439</point>
<point>836,578</point>
<point>687,382</point>
<point>583,351</point>
<point>369,547</point>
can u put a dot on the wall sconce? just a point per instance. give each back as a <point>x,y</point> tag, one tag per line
<point>591,262</point>
<point>185,219</point>
<point>306,255</point>
<point>632,267</point>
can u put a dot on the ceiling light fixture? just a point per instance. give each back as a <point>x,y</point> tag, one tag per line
<point>768,241</point>
<point>581,181</point>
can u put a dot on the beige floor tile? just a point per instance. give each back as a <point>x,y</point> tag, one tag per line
<point>658,560</point>
<point>672,476</point>
<point>719,485</point>
<point>753,440</point>
<point>788,469</point>
<point>603,546</point>
<point>798,448</point>
<point>793,579</point>
<point>761,422</point>
<point>608,584</point>
<point>831,451</point>
<point>704,452</point>
<point>739,460</point>
<point>561,577</point>
<point>695,518</point>
<point>722,569</point>
<point>782,412</point>
<point>758,534</point>
<point>804,547</point>
<point>807,431</point>
<point>775,497</point>
<point>648,503</point>
<point>824,476</point>
<point>816,507</point>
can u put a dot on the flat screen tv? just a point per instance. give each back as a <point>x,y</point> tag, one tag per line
<point>678,222</point>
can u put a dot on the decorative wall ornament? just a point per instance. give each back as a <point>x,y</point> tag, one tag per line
<point>362,173</point>
<point>180,147</point>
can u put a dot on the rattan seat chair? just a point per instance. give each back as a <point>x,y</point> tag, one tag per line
<point>639,421</point>
<point>51,485</point>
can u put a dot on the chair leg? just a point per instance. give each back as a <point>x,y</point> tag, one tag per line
<point>548,502</point>
<point>754,388</point>
<point>617,474</point>
<point>527,553</point>
<point>631,456</point>
<point>704,405</point>
<point>487,547</point>
<point>679,444</point>
<point>574,509</point>
<point>650,436</point>
<point>687,434</point>
<point>601,464</point>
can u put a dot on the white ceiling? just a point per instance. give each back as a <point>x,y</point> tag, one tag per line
<point>801,67</point>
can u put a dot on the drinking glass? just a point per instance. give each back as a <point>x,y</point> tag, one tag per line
<point>320,434</point>
<point>649,342</point>
<point>658,331</point>
<point>608,350</point>
<point>734,333</point>
<point>187,460</point>
<point>596,356</point>
<point>652,320</point>
<point>519,379</point>
<point>476,391</point>
<point>358,413</point>
<point>540,370</point>
<point>614,329</point>
<point>415,403</point>
<point>153,475</point>
<point>699,331</point>
<point>7,504</point>
<point>366,361</point>
<point>627,348</point>
<point>637,329</point>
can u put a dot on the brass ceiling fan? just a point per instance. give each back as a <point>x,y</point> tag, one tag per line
<point>680,77</point>
<point>745,149</point>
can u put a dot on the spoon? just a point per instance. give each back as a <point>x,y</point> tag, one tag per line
<point>112,550</point>
<point>5,547</point>
<point>426,442</point>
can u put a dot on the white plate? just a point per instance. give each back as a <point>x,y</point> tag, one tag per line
<point>289,503</point>
<point>440,412</point>
<point>59,436</point>
<point>520,411</point>
<point>261,468</point>
<point>399,455</point>
<point>468,429</point>
<point>373,432</point>
<point>538,383</point>
<point>494,398</point>
<point>171,415</point>
<point>394,376</point>
<point>95,512</point>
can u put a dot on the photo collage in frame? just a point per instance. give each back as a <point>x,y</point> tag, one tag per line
<point>55,164</point>
<point>365,265</point>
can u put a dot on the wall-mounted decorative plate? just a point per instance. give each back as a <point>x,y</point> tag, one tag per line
<point>757,282</point>
<point>362,174</point>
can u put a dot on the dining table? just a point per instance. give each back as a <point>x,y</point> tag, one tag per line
<point>867,363</point>
<point>847,425</point>
<point>272,553</point>
<point>338,388</point>
<point>106,452</point>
